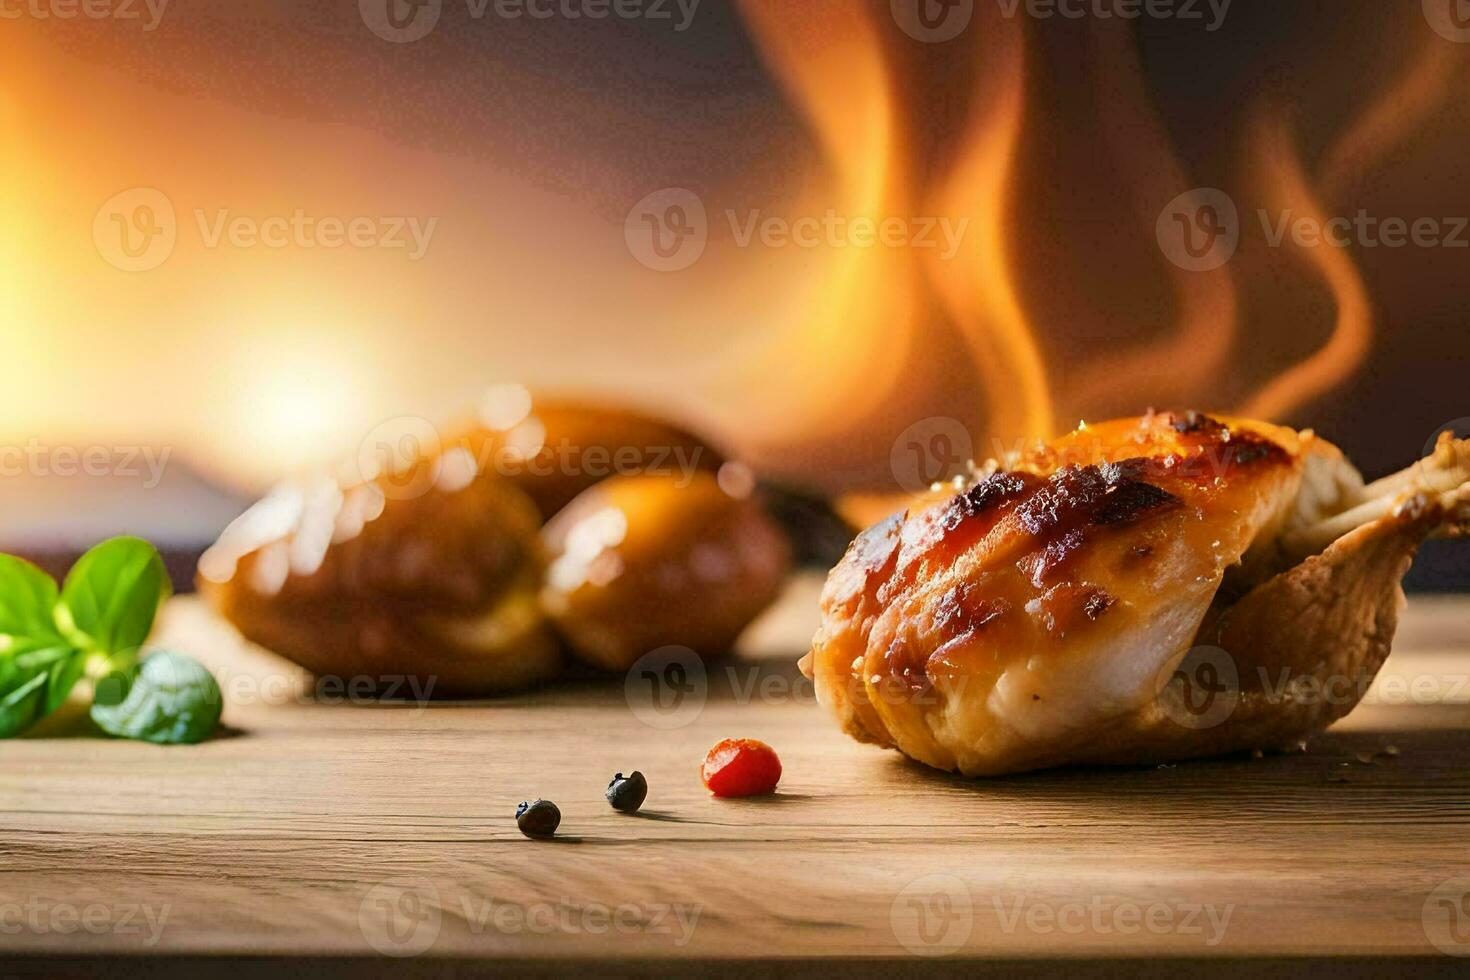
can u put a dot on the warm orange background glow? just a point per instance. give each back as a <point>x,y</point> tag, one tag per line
<point>1053,141</point>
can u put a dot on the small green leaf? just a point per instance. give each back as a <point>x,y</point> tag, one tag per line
<point>61,678</point>
<point>21,708</point>
<point>168,698</point>
<point>27,598</point>
<point>38,661</point>
<point>36,683</point>
<point>112,595</point>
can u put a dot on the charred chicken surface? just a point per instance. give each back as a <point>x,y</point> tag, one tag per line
<point>1144,590</point>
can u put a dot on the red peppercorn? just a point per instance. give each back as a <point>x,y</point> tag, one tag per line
<point>741,767</point>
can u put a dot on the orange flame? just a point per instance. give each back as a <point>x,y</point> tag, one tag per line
<point>874,314</point>
<point>1386,122</point>
<point>855,334</point>
<point>1179,366</point>
<point>847,346</point>
<point>876,306</point>
<point>977,286</point>
<point>1394,117</point>
<point>1352,332</point>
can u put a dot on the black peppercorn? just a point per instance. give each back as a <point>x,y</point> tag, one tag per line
<point>538,819</point>
<point>626,794</point>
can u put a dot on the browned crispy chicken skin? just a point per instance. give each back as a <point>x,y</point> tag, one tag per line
<point>359,580</point>
<point>431,562</point>
<point>1138,591</point>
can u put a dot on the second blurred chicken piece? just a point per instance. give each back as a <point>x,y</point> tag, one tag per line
<point>643,562</point>
<point>553,449</point>
<point>428,575</point>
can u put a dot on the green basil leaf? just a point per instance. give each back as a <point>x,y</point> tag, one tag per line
<point>168,698</point>
<point>21,708</point>
<point>36,683</point>
<point>112,594</point>
<point>27,599</point>
<point>61,678</point>
<point>39,661</point>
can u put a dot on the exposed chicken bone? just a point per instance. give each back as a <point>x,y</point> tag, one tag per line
<point>1441,479</point>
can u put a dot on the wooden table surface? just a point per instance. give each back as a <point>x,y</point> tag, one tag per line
<point>347,830</point>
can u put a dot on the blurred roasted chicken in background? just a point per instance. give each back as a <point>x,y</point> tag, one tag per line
<point>1140,591</point>
<point>434,564</point>
<point>643,562</point>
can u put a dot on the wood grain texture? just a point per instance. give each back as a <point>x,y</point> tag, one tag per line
<point>344,829</point>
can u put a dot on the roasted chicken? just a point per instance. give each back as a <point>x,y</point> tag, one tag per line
<point>435,565</point>
<point>362,581</point>
<point>1140,591</point>
<point>643,562</point>
<point>554,449</point>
